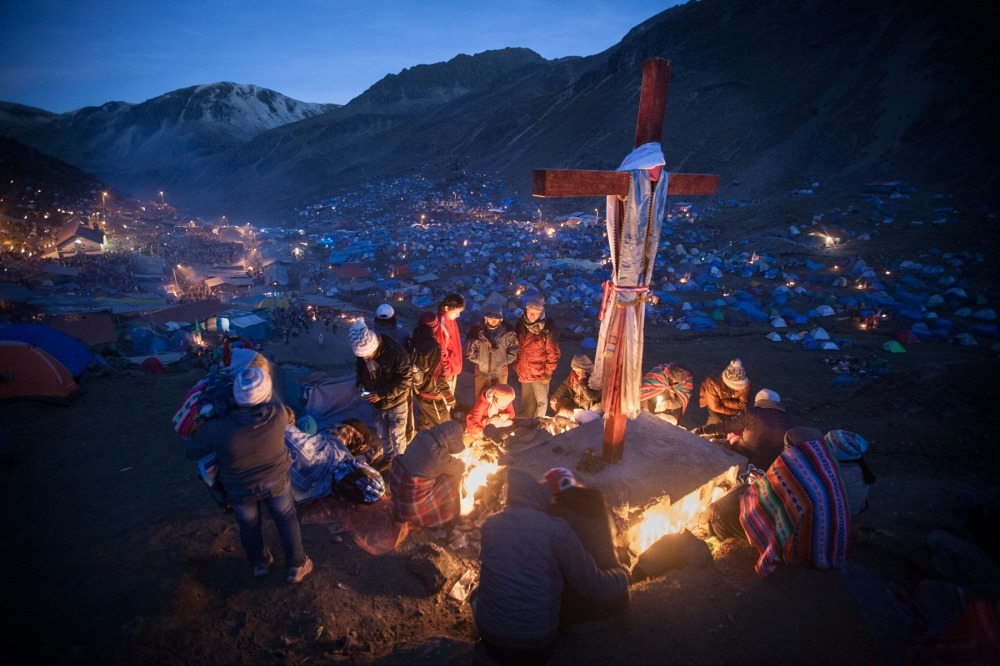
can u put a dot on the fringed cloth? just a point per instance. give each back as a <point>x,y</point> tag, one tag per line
<point>797,512</point>
<point>655,382</point>
<point>422,501</point>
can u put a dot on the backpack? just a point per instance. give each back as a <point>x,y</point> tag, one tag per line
<point>358,481</point>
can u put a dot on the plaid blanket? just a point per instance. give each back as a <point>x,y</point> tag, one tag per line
<point>422,501</point>
<point>797,512</point>
<point>655,382</point>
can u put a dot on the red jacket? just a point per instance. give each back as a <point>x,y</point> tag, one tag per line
<point>451,346</point>
<point>537,350</point>
<point>479,416</point>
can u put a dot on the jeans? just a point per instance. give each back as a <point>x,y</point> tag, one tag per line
<point>534,399</point>
<point>390,424</point>
<point>281,505</point>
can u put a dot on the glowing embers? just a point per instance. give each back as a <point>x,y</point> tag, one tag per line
<point>479,465</point>
<point>671,517</point>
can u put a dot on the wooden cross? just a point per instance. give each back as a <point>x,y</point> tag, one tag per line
<point>576,183</point>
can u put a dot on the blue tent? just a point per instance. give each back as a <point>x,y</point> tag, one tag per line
<point>64,348</point>
<point>142,338</point>
<point>588,343</point>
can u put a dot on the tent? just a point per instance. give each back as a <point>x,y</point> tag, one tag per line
<point>68,351</point>
<point>332,401</point>
<point>29,372</point>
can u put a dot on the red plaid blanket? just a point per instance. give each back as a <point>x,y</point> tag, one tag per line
<point>421,501</point>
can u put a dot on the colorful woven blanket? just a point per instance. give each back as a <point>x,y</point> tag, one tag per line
<point>656,382</point>
<point>797,512</point>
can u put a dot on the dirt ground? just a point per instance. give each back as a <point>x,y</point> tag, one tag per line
<point>116,554</point>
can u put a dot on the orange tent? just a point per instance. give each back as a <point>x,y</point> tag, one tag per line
<point>28,372</point>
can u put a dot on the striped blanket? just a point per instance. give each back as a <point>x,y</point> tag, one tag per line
<point>656,382</point>
<point>422,501</point>
<point>797,512</point>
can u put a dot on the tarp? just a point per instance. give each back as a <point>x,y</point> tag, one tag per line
<point>30,373</point>
<point>332,401</point>
<point>68,351</point>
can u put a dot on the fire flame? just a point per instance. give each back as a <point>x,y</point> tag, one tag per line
<point>666,518</point>
<point>478,466</point>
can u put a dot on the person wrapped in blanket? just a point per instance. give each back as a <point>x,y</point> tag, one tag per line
<point>665,391</point>
<point>426,479</point>
<point>316,456</point>
<point>797,512</point>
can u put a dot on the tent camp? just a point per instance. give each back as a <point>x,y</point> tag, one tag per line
<point>71,354</point>
<point>30,373</point>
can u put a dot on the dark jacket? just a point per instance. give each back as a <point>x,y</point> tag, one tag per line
<point>526,558</point>
<point>761,433</point>
<point>391,379</point>
<point>576,393</point>
<point>719,398</point>
<point>429,454</point>
<point>249,444</point>
<point>490,350</point>
<point>425,356</point>
<point>538,350</point>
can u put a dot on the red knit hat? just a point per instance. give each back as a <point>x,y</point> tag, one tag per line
<point>559,479</point>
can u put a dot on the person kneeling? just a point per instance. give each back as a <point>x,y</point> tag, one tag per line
<point>426,479</point>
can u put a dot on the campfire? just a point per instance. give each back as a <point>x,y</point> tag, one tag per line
<point>479,464</point>
<point>668,517</point>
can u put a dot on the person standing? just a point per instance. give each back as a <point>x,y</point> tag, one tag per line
<point>383,378</point>
<point>253,468</point>
<point>492,347</point>
<point>449,310</point>
<point>386,324</point>
<point>725,394</point>
<point>538,356</point>
<point>430,389</point>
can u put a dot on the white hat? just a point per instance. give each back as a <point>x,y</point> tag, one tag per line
<point>252,387</point>
<point>364,343</point>
<point>768,399</point>
<point>385,311</point>
<point>735,376</point>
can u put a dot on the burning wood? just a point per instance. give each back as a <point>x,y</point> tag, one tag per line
<point>668,517</point>
<point>479,465</point>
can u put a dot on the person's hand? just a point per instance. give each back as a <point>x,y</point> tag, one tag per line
<point>371,397</point>
<point>553,402</point>
<point>697,431</point>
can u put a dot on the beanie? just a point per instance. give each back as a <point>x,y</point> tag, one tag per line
<point>363,341</point>
<point>385,311</point>
<point>768,399</point>
<point>429,319</point>
<point>493,312</point>
<point>559,479</point>
<point>846,445</point>
<point>536,302</point>
<point>252,387</point>
<point>503,394</point>
<point>734,376</point>
<point>582,363</point>
<point>307,424</point>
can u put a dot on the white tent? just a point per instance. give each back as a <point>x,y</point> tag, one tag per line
<point>819,333</point>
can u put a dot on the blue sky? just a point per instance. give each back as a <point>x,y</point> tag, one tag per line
<point>61,55</point>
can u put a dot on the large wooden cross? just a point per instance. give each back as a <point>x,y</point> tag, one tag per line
<point>576,183</point>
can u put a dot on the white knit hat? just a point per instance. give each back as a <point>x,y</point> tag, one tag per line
<point>252,387</point>
<point>363,341</point>
<point>734,376</point>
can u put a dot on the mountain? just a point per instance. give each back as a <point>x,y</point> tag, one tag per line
<point>146,147</point>
<point>770,94</point>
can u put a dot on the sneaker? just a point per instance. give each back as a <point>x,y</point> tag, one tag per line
<point>296,574</point>
<point>262,568</point>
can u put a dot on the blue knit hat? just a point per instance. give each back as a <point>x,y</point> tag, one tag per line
<point>846,445</point>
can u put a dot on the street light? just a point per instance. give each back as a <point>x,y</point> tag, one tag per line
<point>597,217</point>
<point>104,200</point>
<point>161,198</point>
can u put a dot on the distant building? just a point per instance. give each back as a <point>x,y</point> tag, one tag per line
<point>74,239</point>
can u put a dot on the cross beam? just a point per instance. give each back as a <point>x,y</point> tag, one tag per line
<point>576,183</point>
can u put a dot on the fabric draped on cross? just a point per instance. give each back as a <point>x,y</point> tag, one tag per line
<point>633,241</point>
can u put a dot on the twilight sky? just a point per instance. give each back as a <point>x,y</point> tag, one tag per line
<point>61,55</point>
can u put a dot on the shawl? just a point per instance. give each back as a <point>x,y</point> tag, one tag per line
<point>656,382</point>
<point>421,501</point>
<point>797,512</point>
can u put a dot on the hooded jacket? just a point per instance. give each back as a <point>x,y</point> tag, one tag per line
<point>760,433</point>
<point>391,378</point>
<point>538,350</point>
<point>525,558</point>
<point>430,453</point>
<point>491,349</point>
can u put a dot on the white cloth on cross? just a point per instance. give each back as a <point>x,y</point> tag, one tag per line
<point>621,338</point>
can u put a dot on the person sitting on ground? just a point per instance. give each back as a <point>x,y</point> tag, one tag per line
<point>850,448</point>
<point>666,391</point>
<point>526,559</point>
<point>757,433</point>
<point>575,392</point>
<point>253,467</point>
<point>797,512</point>
<point>725,394</point>
<point>493,411</point>
<point>586,511</point>
<point>426,479</point>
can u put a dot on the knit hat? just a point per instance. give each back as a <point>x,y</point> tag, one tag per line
<point>536,302</point>
<point>307,424</point>
<point>363,341</point>
<point>429,319</point>
<point>252,387</point>
<point>801,434</point>
<point>734,376</point>
<point>582,363</point>
<point>503,394</point>
<point>559,479</point>
<point>768,399</point>
<point>385,311</point>
<point>846,445</point>
<point>493,312</point>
